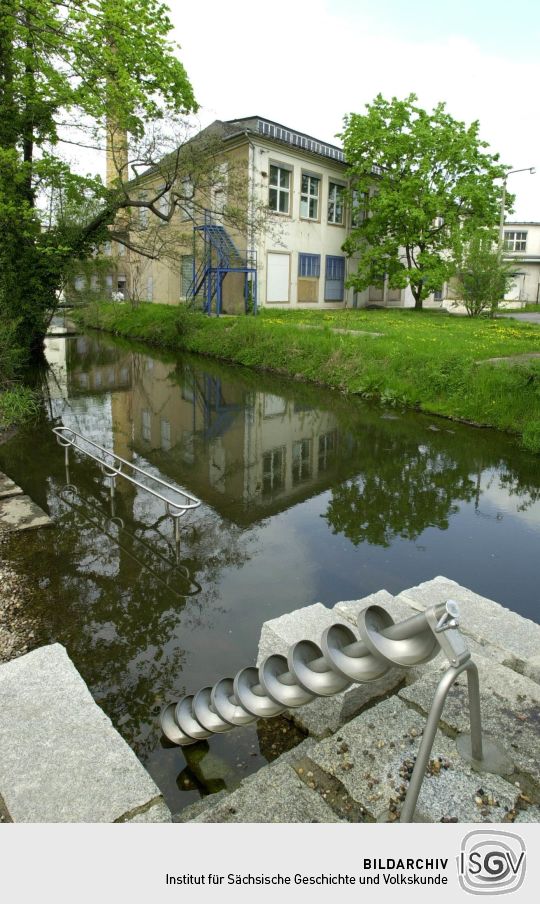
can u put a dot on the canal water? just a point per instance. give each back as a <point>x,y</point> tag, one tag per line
<point>306,496</point>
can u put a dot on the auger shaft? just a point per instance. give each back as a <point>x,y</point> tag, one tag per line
<point>308,671</point>
<point>342,658</point>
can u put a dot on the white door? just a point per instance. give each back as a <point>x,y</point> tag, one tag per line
<point>277,280</point>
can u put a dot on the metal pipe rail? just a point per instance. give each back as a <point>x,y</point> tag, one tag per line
<point>98,517</point>
<point>310,671</point>
<point>114,468</point>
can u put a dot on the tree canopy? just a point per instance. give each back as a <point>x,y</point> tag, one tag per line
<point>418,180</point>
<point>70,69</point>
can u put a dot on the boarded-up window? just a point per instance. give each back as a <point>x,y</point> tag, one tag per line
<point>277,285</point>
<point>335,278</point>
<point>309,271</point>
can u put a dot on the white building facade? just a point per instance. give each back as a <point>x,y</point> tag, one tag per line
<point>522,248</point>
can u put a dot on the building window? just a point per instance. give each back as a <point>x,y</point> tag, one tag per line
<point>273,464</point>
<point>218,199</point>
<point>334,284</point>
<point>309,197</point>
<point>273,406</point>
<point>107,249</point>
<point>143,211</point>
<point>360,203</point>
<point>309,265</point>
<point>438,295</point>
<point>336,204</point>
<point>301,461</point>
<point>146,418</point>
<point>515,241</point>
<point>187,206</point>
<point>309,271</point>
<point>279,192</point>
<point>79,283</point>
<point>163,204</point>
<point>186,274</point>
<point>165,434</point>
<point>277,277</point>
<point>327,449</point>
<point>121,249</point>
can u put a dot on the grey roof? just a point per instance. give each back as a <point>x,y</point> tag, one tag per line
<point>276,131</point>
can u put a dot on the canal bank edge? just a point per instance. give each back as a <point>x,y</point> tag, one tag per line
<point>430,375</point>
<point>62,760</point>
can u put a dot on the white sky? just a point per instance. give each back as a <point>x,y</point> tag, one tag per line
<point>306,64</point>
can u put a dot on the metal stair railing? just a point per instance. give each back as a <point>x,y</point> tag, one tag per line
<point>220,256</point>
<point>311,670</point>
<point>113,466</point>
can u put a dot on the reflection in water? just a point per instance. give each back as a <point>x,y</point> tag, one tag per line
<point>306,496</point>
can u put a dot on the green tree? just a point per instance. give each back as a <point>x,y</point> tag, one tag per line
<point>70,70</point>
<point>482,277</point>
<point>423,178</point>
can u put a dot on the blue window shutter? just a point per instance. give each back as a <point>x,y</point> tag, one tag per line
<point>334,285</point>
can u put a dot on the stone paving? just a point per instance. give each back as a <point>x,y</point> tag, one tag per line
<point>17,511</point>
<point>61,760</point>
<point>360,769</point>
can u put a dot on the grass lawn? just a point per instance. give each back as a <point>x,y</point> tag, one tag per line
<point>427,360</point>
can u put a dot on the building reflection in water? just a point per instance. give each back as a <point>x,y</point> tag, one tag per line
<point>143,628</point>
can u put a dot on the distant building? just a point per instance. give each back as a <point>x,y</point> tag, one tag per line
<point>295,261</point>
<point>522,247</point>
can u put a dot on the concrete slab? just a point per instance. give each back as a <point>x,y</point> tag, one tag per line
<point>61,760</point>
<point>157,812</point>
<point>373,755</point>
<point>324,715</point>
<point>200,807</point>
<point>489,623</point>
<point>349,609</point>
<point>510,705</point>
<point>8,487</point>
<point>20,513</point>
<point>274,794</point>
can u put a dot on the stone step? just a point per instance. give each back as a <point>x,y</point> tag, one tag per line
<point>372,755</point>
<point>275,794</point>
<point>61,759</point>
<point>21,513</point>
<point>8,487</point>
<point>491,625</point>
<point>510,706</point>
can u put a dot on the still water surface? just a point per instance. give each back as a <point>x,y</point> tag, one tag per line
<point>307,496</point>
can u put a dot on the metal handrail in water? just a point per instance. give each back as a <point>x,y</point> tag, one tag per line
<point>67,438</point>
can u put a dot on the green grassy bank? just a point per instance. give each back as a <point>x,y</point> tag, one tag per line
<point>430,361</point>
<point>17,405</point>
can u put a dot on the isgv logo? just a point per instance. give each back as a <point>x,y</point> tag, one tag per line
<point>491,863</point>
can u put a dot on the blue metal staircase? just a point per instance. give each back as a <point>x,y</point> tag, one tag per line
<point>221,256</point>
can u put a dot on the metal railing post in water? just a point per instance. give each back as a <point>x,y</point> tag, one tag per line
<point>310,671</point>
<point>113,466</point>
